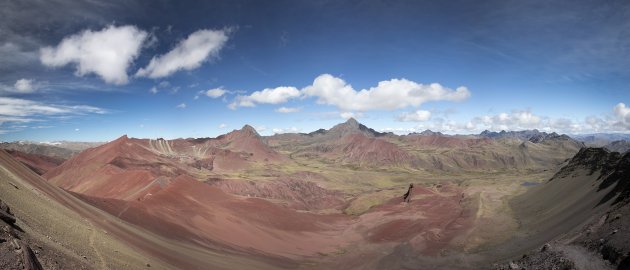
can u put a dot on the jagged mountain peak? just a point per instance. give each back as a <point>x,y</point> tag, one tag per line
<point>352,126</point>
<point>246,130</point>
<point>428,132</point>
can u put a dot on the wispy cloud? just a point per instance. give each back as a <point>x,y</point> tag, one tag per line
<point>198,47</point>
<point>15,110</point>
<point>215,92</point>
<point>287,110</point>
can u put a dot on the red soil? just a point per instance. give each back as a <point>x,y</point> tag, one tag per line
<point>296,193</point>
<point>148,184</point>
<point>447,142</point>
<point>38,163</point>
<point>191,211</point>
<point>436,220</point>
<point>360,149</point>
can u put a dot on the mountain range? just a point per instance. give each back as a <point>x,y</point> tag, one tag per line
<point>325,199</point>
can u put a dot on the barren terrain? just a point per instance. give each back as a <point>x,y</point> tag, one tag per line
<point>328,199</point>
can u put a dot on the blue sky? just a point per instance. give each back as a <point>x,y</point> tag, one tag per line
<point>74,70</point>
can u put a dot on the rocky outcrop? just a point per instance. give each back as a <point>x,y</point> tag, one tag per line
<point>598,234</point>
<point>618,146</point>
<point>14,252</point>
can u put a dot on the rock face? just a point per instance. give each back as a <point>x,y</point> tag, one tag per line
<point>590,198</point>
<point>619,146</point>
<point>352,126</point>
<point>5,213</point>
<point>613,169</point>
<point>14,253</point>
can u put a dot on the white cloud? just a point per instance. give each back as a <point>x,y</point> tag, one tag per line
<point>269,96</point>
<point>24,86</point>
<point>189,54</point>
<point>153,90</point>
<point>181,106</point>
<point>622,114</point>
<point>285,130</point>
<point>287,110</point>
<point>387,95</point>
<point>222,126</point>
<point>417,116</point>
<point>617,121</point>
<point>516,120</point>
<point>107,53</point>
<point>216,92</point>
<point>76,129</point>
<point>23,107</point>
<point>13,119</point>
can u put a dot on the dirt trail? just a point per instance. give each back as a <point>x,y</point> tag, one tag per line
<point>103,263</point>
<point>480,209</point>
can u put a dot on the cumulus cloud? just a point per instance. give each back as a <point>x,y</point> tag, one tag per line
<point>107,53</point>
<point>189,54</point>
<point>181,106</point>
<point>153,90</point>
<point>622,113</point>
<point>287,110</point>
<point>24,86</point>
<point>617,121</point>
<point>387,95</point>
<point>417,116</point>
<point>216,92</point>
<point>516,120</point>
<point>269,96</point>
<point>222,126</point>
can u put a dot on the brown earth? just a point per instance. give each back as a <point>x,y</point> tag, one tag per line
<point>40,164</point>
<point>235,202</point>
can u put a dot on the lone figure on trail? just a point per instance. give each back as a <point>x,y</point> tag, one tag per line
<point>407,196</point>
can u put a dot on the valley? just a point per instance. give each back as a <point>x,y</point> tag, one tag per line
<point>332,199</point>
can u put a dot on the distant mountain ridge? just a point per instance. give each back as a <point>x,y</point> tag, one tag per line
<point>354,143</point>
<point>533,135</point>
<point>618,146</point>
<point>601,139</point>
